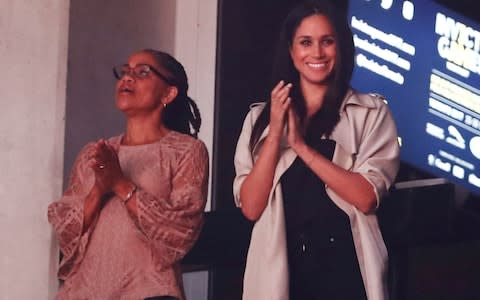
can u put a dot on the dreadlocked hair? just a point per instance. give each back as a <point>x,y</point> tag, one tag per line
<point>182,114</point>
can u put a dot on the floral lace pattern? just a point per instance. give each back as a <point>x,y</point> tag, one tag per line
<point>172,180</point>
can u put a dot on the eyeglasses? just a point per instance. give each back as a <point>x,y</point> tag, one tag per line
<point>139,72</point>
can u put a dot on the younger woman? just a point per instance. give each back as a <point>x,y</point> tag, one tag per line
<point>312,164</point>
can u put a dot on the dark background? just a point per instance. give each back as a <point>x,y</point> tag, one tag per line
<point>422,226</point>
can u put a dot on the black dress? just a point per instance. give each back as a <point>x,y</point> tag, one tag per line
<point>321,255</point>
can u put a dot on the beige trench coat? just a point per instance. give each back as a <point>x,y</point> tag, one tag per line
<point>366,142</point>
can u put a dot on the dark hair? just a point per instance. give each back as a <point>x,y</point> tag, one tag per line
<point>324,121</point>
<point>182,114</point>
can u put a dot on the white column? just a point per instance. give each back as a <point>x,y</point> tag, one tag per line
<point>195,47</point>
<point>33,60</point>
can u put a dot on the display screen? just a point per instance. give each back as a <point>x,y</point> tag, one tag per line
<point>425,60</point>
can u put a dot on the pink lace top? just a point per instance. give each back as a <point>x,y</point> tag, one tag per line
<point>122,257</point>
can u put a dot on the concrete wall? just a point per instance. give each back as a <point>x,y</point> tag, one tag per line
<point>103,34</point>
<point>33,56</point>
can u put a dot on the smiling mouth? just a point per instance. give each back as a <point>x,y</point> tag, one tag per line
<point>317,65</point>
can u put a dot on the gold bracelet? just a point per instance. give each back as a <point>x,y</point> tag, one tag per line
<point>130,194</point>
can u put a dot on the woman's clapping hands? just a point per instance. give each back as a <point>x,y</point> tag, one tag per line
<point>104,162</point>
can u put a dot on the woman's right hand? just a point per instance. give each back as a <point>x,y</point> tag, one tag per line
<point>104,162</point>
<point>255,189</point>
<point>279,104</point>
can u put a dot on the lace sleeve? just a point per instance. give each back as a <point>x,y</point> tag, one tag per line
<point>172,225</point>
<point>66,215</point>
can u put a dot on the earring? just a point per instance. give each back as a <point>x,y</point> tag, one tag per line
<point>164,105</point>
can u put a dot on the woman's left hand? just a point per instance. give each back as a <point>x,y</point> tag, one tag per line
<point>294,136</point>
<point>106,165</point>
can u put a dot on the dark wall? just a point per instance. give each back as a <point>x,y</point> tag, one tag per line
<point>245,43</point>
<point>469,8</point>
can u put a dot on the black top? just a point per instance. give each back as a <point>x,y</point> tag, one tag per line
<point>321,255</point>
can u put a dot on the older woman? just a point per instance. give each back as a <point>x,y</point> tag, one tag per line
<point>134,204</point>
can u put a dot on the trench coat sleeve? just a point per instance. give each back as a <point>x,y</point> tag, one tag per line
<point>244,159</point>
<point>378,155</point>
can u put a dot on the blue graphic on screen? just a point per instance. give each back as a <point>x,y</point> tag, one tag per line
<point>425,60</point>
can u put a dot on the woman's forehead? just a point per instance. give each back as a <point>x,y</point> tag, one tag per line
<point>317,24</point>
<point>139,58</point>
